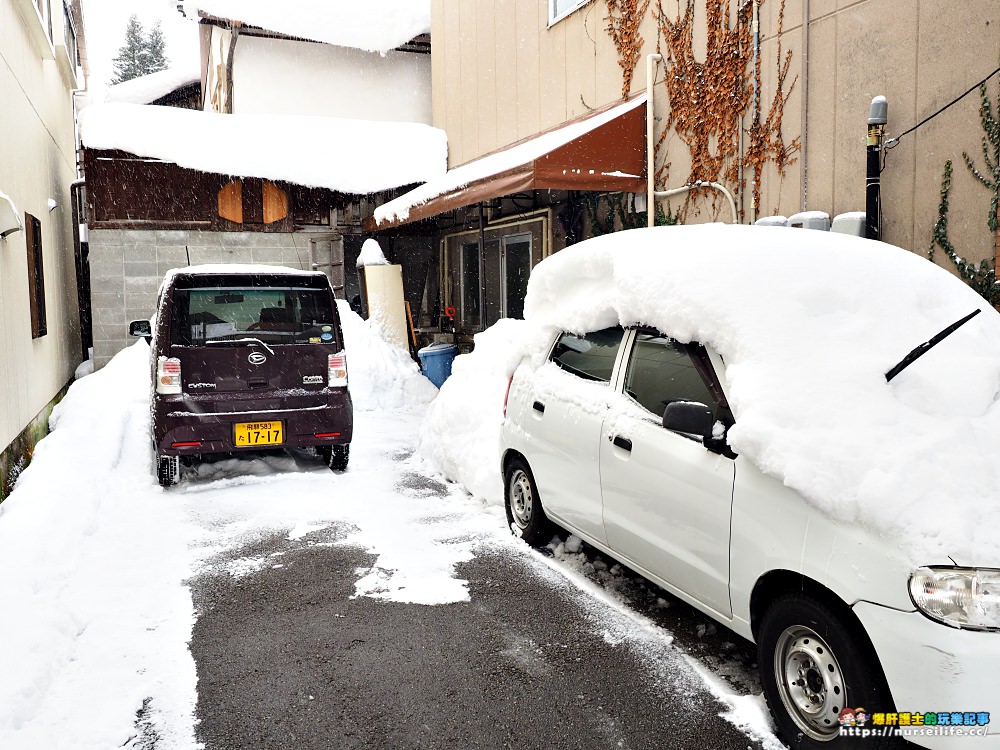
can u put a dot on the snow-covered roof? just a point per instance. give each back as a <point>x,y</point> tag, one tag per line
<point>499,162</point>
<point>374,25</point>
<point>149,88</point>
<point>350,156</point>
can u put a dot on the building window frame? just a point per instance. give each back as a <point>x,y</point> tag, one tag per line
<point>36,276</point>
<point>44,8</point>
<point>69,31</point>
<point>559,9</point>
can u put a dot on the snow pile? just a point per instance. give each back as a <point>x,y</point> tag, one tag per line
<point>94,557</point>
<point>371,254</point>
<point>375,25</point>
<point>149,88</point>
<point>809,323</point>
<point>305,150</point>
<point>460,435</point>
<point>380,375</point>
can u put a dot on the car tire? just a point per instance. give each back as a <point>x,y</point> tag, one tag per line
<point>336,456</point>
<point>168,470</point>
<point>813,664</point>
<point>525,515</point>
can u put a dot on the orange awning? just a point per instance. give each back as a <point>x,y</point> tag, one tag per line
<point>604,150</point>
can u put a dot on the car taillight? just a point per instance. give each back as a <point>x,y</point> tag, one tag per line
<point>168,375</point>
<point>506,395</point>
<point>336,366</point>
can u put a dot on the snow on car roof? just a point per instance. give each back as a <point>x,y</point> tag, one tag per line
<point>808,323</point>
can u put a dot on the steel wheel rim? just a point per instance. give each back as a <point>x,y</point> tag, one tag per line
<point>519,495</point>
<point>810,682</point>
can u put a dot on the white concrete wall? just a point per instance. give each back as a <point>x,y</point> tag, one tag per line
<point>127,266</point>
<point>37,162</point>
<point>280,76</point>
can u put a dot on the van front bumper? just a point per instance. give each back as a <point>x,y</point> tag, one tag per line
<point>933,668</point>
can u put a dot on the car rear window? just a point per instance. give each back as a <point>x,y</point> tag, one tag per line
<point>275,315</point>
<point>591,356</point>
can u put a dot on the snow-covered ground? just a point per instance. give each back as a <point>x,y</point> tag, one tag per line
<point>96,556</point>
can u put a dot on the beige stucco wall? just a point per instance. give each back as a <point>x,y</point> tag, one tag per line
<point>37,162</point>
<point>501,74</point>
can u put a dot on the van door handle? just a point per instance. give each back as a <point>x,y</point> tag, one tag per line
<point>623,443</point>
<point>539,407</point>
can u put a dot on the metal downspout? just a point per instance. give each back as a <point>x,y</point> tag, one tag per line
<point>804,156</point>
<point>655,57</point>
<point>755,29</point>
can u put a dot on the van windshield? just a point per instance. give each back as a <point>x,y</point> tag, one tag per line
<point>275,315</point>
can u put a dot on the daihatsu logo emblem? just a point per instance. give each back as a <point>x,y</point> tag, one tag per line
<point>256,358</point>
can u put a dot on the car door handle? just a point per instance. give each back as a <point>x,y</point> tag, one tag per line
<point>539,407</point>
<point>623,443</point>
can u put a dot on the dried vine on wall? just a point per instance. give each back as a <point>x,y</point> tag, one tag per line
<point>624,18</point>
<point>766,140</point>
<point>709,99</point>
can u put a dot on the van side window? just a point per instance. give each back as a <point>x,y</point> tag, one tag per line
<point>661,370</point>
<point>591,356</point>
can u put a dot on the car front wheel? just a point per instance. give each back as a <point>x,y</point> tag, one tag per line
<point>813,665</point>
<point>524,509</point>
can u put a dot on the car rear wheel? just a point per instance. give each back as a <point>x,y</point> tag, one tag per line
<point>524,508</point>
<point>336,456</point>
<point>168,470</point>
<point>813,665</point>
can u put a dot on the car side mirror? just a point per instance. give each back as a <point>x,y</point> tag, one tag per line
<point>689,417</point>
<point>140,328</point>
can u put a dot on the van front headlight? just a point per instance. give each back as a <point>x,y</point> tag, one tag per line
<point>960,597</point>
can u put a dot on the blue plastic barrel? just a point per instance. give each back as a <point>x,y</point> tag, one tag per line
<point>435,361</point>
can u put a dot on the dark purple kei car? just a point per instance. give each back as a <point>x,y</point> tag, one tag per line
<point>246,358</point>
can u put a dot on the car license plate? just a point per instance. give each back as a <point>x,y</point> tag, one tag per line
<point>259,433</point>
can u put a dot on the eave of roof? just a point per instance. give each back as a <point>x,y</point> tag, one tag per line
<point>602,150</point>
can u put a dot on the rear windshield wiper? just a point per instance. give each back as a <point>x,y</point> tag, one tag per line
<point>921,350</point>
<point>246,340</point>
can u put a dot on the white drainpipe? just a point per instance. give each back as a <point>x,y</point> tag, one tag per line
<point>650,145</point>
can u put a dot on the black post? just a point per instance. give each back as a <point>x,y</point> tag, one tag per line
<point>877,118</point>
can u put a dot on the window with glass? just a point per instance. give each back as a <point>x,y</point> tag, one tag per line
<point>559,9</point>
<point>274,315</point>
<point>661,370</point>
<point>471,285</point>
<point>36,276</point>
<point>516,269</point>
<point>592,356</point>
<point>69,30</point>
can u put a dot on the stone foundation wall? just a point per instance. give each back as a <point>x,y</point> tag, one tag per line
<point>127,266</point>
<point>15,457</point>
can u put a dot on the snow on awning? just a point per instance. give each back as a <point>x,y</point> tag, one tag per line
<point>374,25</point>
<point>348,156</point>
<point>602,150</point>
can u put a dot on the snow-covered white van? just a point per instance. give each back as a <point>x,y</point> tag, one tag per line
<point>797,433</point>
